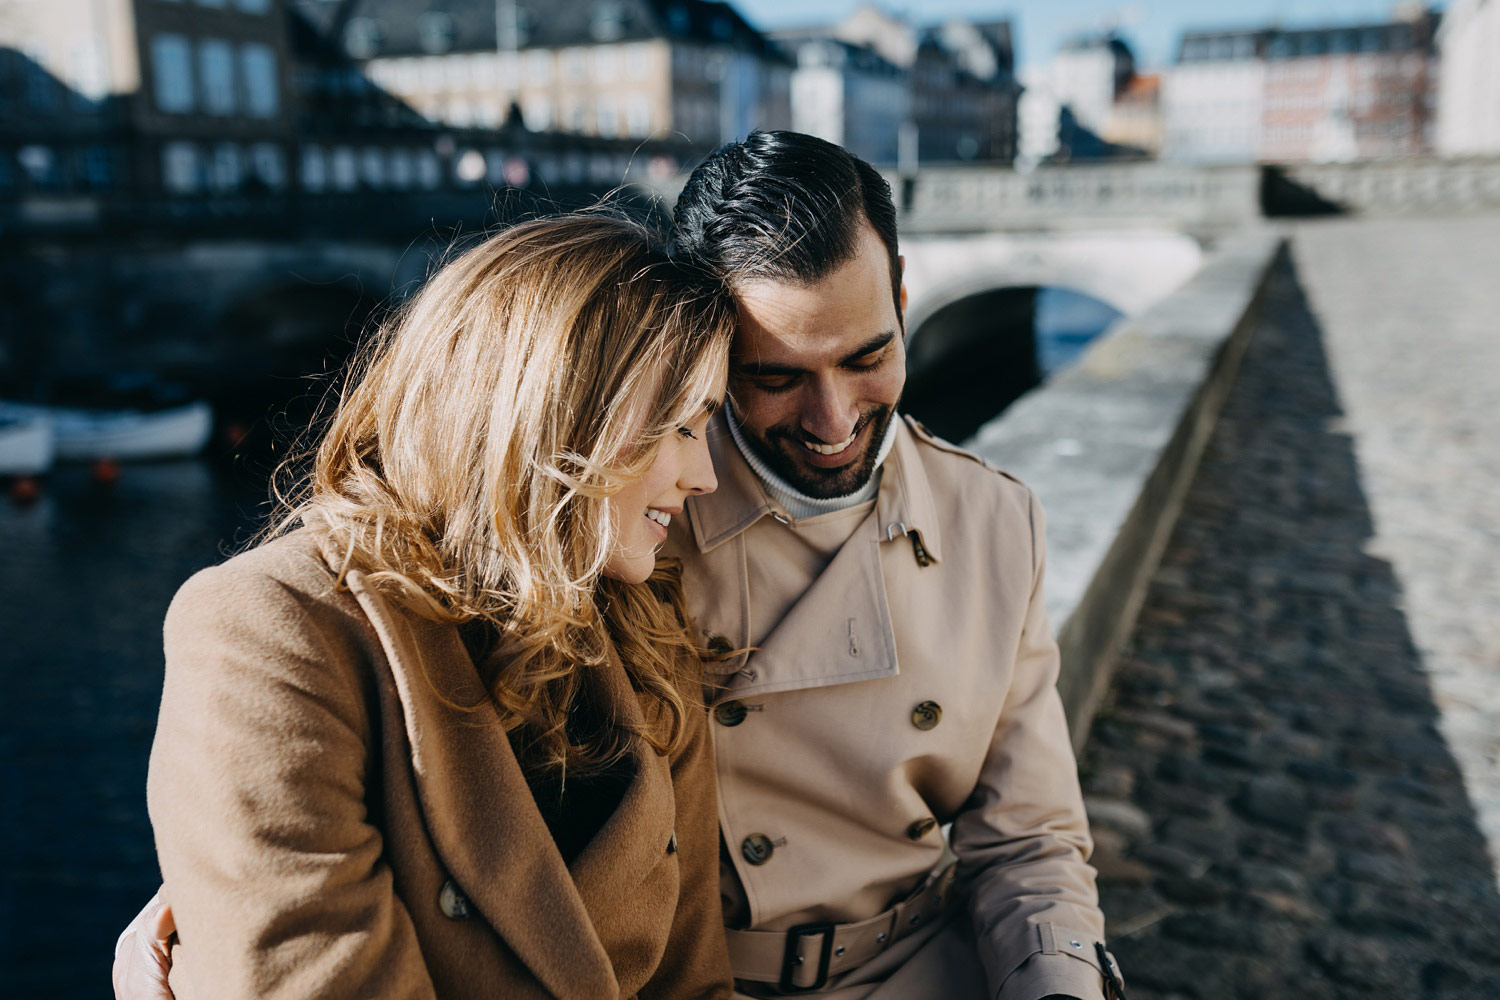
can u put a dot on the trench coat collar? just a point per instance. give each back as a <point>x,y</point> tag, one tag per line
<point>903,505</point>
<point>483,818</point>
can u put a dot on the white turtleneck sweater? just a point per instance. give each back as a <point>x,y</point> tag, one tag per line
<point>798,504</point>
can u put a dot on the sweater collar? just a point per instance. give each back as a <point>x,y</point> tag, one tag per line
<point>904,500</point>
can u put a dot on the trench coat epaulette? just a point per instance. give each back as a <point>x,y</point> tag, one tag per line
<point>923,434</point>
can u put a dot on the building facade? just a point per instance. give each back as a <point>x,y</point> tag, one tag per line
<point>174,95</point>
<point>1353,92</point>
<point>1468,122</point>
<point>849,95</point>
<point>959,76</point>
<point>1213,98</point>
<point>609,68</point>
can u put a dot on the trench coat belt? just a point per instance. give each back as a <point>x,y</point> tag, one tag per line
<point>804,957</point>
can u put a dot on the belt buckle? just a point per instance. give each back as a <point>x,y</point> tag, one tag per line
<point>789,962</point>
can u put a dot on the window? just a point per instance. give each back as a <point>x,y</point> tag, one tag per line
<point>268,165</point>
<point>362,37</point>
<point>372,168</point>
<point>314,169</point>
<point>172,73</point>
<point>537,114</point>
<point>224,171</point>
<point>573,122</point>
<point>508,70</point>
<point>99,167</point>
<point>253,6</point>
<point>607,117</point>
<point>638,115</point>
<point>435,32</point>
<point>211,3</point>
<point>258,70</point>
<point>345,169</point>
<point>179,168</point>
<point>539,67</point>
<point>400,170</point>
<point>216,76</point>
<point>606,64</point>
<point>429,170</point>
<point>573,66</point>
<point>637,60</point>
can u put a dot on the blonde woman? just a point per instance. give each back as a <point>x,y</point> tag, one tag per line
<point>443,736</point>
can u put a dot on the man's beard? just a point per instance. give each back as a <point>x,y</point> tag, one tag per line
<point>781,448</point>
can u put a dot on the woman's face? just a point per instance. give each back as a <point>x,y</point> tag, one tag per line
<point>641,511</point>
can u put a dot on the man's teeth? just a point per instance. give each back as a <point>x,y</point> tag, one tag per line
<point>830,449</point>
<point>661,517</point>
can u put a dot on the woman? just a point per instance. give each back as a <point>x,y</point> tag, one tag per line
<point>443,735</point>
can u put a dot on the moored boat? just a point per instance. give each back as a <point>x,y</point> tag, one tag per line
<point>27,445</point>
<point>123,435</point>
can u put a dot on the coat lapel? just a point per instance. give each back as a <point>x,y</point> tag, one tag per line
<point>479,809</point>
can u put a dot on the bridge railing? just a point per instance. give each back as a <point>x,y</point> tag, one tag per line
<point>971,198</point>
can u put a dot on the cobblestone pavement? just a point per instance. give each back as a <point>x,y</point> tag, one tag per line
<point>1412,313</point>
<point>1277,811</point>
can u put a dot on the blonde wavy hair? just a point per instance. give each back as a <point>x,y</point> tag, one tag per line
<point>468,466</point>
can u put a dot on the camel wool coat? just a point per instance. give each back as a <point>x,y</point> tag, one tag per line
<point>332,823</point>
<point>898,679</point>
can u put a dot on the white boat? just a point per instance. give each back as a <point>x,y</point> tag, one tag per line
<point>27,445</point>
<point>84,435</point>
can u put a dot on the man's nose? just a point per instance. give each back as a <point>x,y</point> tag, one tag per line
<point>829,414</point>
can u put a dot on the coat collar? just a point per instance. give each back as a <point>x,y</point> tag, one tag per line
<point>482,816</point>
<point>903,505</point>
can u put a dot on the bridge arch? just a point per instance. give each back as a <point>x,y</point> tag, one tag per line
<point>1128,270</point>
<point>977,325</point>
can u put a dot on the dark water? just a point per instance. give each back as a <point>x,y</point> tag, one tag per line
<point>86,574</point>
<point>1066,323</point>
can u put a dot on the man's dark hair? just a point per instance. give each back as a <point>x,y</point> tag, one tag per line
<point>783,205</point>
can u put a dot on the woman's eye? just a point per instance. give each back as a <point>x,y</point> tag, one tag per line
<point>687,432</point>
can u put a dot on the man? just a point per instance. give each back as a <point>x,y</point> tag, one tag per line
<point>891,668</point>
<point>874,597</point>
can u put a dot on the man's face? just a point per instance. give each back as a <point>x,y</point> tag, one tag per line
<point>817,371</point>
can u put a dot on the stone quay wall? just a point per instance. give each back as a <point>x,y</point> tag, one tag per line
<point>1111,445</point>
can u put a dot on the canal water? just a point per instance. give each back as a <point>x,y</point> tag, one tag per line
<point>86,573</point>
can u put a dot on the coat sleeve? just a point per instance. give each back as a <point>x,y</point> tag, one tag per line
<point>695,965</point>
<point>1022,839</point>
<point>257,798</point>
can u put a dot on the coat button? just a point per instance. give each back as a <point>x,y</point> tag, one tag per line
<point>757,848</point>
<point>730,713</point>
<point>921,828</point>
<point>451,900</point>
<point>719,646</point>
<point>926,715</point>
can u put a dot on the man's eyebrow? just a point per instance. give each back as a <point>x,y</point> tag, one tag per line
<point>870,346</point>
<point>765,369</point>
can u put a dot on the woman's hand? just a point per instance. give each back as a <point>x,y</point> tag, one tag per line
<point>143,954</point>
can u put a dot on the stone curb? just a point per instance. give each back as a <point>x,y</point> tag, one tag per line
<point>1110,447</point>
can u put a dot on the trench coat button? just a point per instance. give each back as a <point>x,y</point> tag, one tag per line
<point>921,828</point>
<point>451,900</point>
<point>719,646</point>
<point>926,715</point>
<point>757,848</point>
<point>731,713</point>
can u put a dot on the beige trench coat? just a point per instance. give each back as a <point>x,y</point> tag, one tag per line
<point>910,684</point>
<point>329,822</point>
